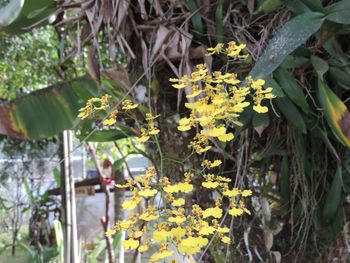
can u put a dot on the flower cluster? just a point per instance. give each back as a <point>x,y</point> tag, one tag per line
<point>218,99</point>
<point>96,105</point>
<point>150,130</point>
<point>177,224</point>
<point>260,94</point>
<point>232,51</point>
<point>160,210</point>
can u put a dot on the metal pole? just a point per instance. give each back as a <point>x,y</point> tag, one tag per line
<point>73,202</point>
<point>70,226</point>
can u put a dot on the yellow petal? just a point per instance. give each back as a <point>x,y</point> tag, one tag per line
<point>226,137</point>
<point>260,109</point>
<point>130,244</point>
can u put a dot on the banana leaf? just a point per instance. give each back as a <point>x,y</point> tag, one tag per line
<point>46,112</point>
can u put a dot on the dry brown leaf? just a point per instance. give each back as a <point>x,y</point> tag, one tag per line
<point>117,74</point>
<point>122,12</point>
<point>93,65</point>
<point>160,39</point>
<point>106,9</point>
<point>144,15</point>
<point>157,7</point>
<point>144,55</point>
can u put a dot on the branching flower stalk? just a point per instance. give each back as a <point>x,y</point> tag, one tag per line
<point>217,101</point>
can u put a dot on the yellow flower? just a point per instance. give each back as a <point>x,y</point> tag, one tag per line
<point>194,94</point>
<point>184,128</point>
<point>179,86</point>
<point>192,245</point>
<point>209,164</point>
<point>215,163</point>
<point>130,244</point>
<point>137,234</point>
<point>147,192</point>
<point>154,131</point>
<point>177,219</point>
<point>124,225</point>
<point>206,230</point>
<point>214,132</point>
<point>122,185</point>
<point>234,50</point>
<point>234,211</point>
<point>161,255</point>
<point>110,232</point>
<point>257,84</point>
<point>260,109</point>
<point>150,117</point>
<point>143,248</point>
<point>178,232</point>
<point>205,120</point>
<point>171,188</point>
<point>185,187</point>
<point>223,179</point>
<point>109,121</point>
<point>182,83</point>
<point>223,230</point>
<point>269,96</point>
<point>144,136</point>
<point>226,137</point>
<point>232,80</point>
<point>178,202</point>
<point>128,105</point>
<point>184,121</point>
<point>161,235</point>
<point>210,184</point>
<point>149,216</point>
<point>205,149</point>
<point>216,49</point>
<point>226,240</point>
<point>231,193</point>
<point>132,203</point>
<point>214,212</point>
<point>246,193</point>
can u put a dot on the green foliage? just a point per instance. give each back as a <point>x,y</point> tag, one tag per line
<point>292,89</point>
<point>334,197</point>
<point>28,62</point>
<point>293,34</point>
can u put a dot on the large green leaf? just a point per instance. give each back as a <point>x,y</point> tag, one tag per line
<point>333,198</point>
<point>291,88</point>
<point>314,5</point>
<point>291,113</point>
<point>196,17</point>
<point>319,133</point>
<point>340,77</point>
<point>319,65</point>
<point>219,22</point>
<point>46,112</point>
<point>293,34</point>
<point>339,12</point>
<point>18,15</point>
